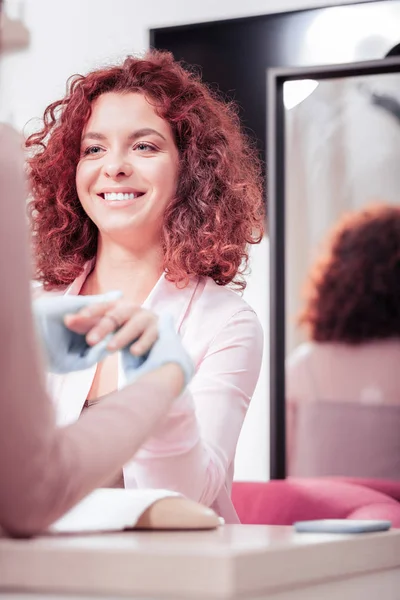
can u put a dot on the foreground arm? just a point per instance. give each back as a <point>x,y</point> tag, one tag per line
<point>44,471</point>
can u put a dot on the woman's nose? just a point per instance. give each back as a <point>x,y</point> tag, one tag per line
<point>118,167</point>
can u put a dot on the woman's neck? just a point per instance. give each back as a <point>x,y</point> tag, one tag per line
<point>119,268</point>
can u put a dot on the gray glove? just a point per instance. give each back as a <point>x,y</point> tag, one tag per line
<point>66,350</point>
<point>167,349</point>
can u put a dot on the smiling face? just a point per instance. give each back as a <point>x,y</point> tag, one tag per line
<point>128,168</point>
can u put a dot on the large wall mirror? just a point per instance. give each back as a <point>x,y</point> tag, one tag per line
<point>334,222</point>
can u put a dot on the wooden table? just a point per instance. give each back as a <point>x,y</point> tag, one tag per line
<point>239,561</point>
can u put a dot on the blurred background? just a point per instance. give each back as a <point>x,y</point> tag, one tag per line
<point>233,42</point>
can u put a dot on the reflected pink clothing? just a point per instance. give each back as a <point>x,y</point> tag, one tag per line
<point>363,375</point>
<point>193,451</point>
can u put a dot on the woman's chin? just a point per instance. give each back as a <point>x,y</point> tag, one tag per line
<point>124,232</point>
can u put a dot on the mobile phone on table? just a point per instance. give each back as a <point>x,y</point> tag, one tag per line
<point>341,526</point>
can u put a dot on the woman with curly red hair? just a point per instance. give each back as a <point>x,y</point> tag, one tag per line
<point>143,181</point>
<point>352,315</point>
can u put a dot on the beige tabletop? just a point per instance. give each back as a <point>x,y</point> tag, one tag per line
<point>237,561</point>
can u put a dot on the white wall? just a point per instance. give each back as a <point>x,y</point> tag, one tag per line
<point>78,35</point>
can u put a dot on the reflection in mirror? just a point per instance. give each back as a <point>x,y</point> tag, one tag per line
<point>342,263</point>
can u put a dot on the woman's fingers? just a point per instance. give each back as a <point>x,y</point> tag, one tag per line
<point>108,323</point>
<point>126,320</point>
<point>87,318</point>
<point>146,341</point>
<point>141,331</point>
<point>131,325</point>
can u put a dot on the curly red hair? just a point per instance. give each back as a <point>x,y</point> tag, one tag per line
<point>218,207</point>
<point>353,291</point>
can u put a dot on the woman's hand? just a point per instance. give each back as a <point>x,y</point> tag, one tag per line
<point>79,331</point>
<point>128,324</point>
<point>65,349</point>
<point>146,342</point>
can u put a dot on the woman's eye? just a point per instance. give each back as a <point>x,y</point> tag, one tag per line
<point>92,150</point>
<point>143,147</point>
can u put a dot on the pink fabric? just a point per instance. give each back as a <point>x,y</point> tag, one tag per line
<point>284,502</point>
<point>367,373</point>
<point>346,439</point>
<point>193,450</point>
<point>343,410</point>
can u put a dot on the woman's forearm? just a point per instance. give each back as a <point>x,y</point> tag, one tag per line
<point>49,470</point>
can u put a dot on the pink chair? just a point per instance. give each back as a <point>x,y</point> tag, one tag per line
<point>282,502</point>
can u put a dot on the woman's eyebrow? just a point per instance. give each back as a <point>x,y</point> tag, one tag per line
<point>93,135</point>
<point>145,131</point>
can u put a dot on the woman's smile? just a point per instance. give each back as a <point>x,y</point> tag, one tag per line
<point>128,168</point>
<point>120,197</point>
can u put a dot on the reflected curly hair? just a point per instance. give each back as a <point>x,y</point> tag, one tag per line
<point>218,208</point>
<point>353,291</point>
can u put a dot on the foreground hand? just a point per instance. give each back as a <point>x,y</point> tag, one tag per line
<point>65,349</point>
<point>145,341</point>
<point>119,324</point>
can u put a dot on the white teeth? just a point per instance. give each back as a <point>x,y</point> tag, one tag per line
<point>119,196</point>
